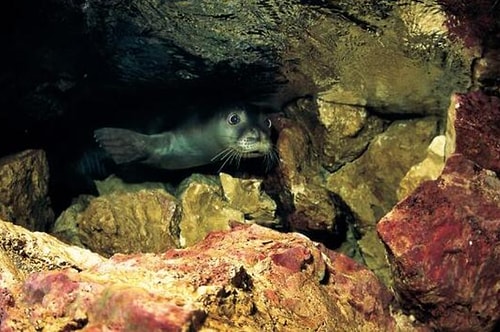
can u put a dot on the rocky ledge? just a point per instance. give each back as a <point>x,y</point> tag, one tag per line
<point>249,278</point>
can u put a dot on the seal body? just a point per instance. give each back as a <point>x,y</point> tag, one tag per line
<point>230,135</point>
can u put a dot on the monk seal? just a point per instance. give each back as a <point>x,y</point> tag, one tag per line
<point>228,136</point>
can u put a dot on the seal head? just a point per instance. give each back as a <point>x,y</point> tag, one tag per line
<point>230,135</point>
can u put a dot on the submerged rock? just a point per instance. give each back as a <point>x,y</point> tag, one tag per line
<point>247,196</point>
<point>473,128</point>
<point>309,205</point>
<point>369,184</point>
<point>428,169</point>
<point>23,252</point>
<point>444,247</point>
<point>122,222</point>
<point>211,204</point>
<point>347,132</point>
<point>24,180</point>
<point>249,278</point>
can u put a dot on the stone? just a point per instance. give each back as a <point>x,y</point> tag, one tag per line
<point>24,180</point>
<point>347,132</point>
<point>246,195</point>
<point>249,278</point>
<point>369,184</point>
<point>23,252</point>
<point>443,242</point>
<point>204,209</point>
<point>428,169</point>
<point>114,184</point>
<point>309,205</point>
<point>413,36</point>
<point>473,128</point>
<point>123,222</point>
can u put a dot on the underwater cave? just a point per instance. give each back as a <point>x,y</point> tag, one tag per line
<point>382,117</point>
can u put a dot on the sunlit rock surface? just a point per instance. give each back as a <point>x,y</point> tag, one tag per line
<point>247,196</point>
<point>250,278</point>
<point>23,252</point>
<point>122,222</point>
<point>204,208</point>
<point>24,180</point>
<point>428,169</point>
<point>392,59</point>
<point>444,247</point>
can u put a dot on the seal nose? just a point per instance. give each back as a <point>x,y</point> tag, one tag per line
<point>254,134</point>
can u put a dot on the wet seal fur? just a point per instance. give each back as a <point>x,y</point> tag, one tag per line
<point>233,133</point>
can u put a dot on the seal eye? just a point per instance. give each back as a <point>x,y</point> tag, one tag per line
<point>233,119</point>
<point>268,123</point>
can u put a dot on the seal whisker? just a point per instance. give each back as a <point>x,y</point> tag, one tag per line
<point>222,154</point>
<point>227,157</point>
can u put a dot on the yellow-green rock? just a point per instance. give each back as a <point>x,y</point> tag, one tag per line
<point>247,196</point>
<point>204,209</point>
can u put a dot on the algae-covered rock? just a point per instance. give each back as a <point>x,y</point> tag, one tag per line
<point>444,244</point>
<point>369,184</point>
<point>250,279</point>
<point>130,222</point>
<point>204,208</point>
<point>114,184</point>
<point>24,180</point>
<point>347,132</point>
<point>473,128</point>
<point>246,195</point>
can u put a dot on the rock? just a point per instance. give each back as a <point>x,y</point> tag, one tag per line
<point>428,169</point>
<point>114,184</point>
<point>310,206</point>
<point>23,252</point>
<point>347,132</point>
<point>247,196</point>
<point>24,179</point>
<point>444,246</point>
<point>474,128</point>
<point>249,278</point>
<point>369,184</point>
<point>123,222</point>
<point>204,209</point>
<point>373,255</point>
<point>412,35</point>
<point>66,227</point>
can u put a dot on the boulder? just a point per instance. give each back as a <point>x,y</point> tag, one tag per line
<point>24,180</point>
<point>122,222</point>
<point>443,242</point>
<point>249,278</point>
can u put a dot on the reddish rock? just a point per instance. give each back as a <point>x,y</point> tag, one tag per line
<point>444,245</point>
<point>250,278</point>
<point>470,21</point>
<point>308,205</point>
<point>477,128</point>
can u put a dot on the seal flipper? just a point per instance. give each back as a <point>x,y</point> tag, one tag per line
<point>123,145</point>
